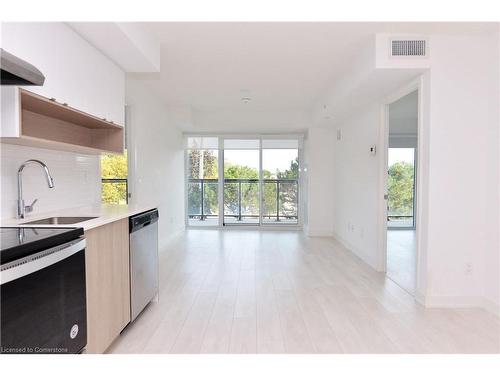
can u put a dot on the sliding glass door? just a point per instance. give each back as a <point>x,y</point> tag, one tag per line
<point>241,181</point>
<point>250,181</point>
<point>202,167</point>
<point>280,177</point>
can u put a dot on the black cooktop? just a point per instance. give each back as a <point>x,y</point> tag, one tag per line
<point>16,243</point>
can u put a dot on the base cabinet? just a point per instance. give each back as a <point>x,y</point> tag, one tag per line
<point>108,284</point>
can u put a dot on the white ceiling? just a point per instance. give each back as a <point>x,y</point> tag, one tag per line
<point>283,67</point>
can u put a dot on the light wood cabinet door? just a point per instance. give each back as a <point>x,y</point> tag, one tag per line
<point>108,284</point>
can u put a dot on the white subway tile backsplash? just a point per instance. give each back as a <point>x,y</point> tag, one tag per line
<point>77,179</point>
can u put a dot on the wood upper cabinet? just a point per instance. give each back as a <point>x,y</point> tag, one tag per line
<point>78,77</point>
<point>108,284</point>
<point>75,72</point>
<point>33,120</point>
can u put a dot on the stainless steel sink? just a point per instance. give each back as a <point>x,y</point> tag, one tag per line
<point>62,220</point>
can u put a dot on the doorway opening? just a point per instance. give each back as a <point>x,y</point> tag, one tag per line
<point>402,169</point>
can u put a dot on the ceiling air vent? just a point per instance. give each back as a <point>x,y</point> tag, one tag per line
<point>408,47</point>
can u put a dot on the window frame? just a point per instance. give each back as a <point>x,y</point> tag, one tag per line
<point>261,225</point>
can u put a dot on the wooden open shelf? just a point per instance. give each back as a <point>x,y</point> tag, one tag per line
<point>49,124</point>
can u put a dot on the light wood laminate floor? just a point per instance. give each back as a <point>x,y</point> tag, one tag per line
<point>402,258</point>
<point>281,292</point>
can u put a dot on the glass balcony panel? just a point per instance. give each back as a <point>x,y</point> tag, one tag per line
<point>280,201</point>
<point>241,181</point>
<point>241,201</point>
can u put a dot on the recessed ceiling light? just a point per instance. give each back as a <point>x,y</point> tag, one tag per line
<point>246,100</point>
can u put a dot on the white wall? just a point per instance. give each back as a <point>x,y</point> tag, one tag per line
<point>156,152</point>
<point>356,176</point>
<point>492,289</point>
<point>76,178</point>
<point>460,192</point>
<point>463,170</point>
<point>319,198</point>
<point>75,72</point>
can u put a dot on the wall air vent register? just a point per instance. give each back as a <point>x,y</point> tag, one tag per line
<point>408,48</point>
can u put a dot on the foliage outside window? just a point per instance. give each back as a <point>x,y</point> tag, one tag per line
<point>114,172</point>
<point>203,164</point>
<point>400,184</point>
<point>280,195</point>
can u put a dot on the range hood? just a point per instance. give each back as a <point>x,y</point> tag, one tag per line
<point>15,71</point>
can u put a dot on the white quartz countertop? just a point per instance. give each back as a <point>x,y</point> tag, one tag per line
<point>106,213</point>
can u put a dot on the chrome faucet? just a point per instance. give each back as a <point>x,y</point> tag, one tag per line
<point>21,208</point>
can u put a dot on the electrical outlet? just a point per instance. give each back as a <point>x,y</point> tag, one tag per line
<point>468,268</point>
<point>350,227</point>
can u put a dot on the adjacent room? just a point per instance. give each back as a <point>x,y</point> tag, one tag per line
<point>401,188</point>
<point>250,187</point>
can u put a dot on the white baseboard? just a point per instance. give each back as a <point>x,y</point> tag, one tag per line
<point>355,251</point>
<point>318,232</point>
<point>436,301</point>
<point>420,297</point>
<point>491,307</point>
<point>455,302</point>
<point>452,301</point>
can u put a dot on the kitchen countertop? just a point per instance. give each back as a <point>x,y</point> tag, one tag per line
<point>106,213</point>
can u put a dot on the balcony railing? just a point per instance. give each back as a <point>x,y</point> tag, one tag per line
<point>400,221</point>
<point>115,190</point>
<point>241,199</point>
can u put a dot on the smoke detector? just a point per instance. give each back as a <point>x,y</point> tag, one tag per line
<point>246,100</point>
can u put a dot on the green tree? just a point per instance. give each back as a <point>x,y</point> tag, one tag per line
<point>114,166</point>
<point>400,186</point>
<point>292,172</point>
<point>287,194</point>
<point>249,190</point>
<point>207,161</point>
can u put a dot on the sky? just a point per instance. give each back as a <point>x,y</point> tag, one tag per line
<point>271,159</point>
<point>400,154</point>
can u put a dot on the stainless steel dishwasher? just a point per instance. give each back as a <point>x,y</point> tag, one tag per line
<point>143,260</point>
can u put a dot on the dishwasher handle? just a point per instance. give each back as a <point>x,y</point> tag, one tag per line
<point>142,220</point>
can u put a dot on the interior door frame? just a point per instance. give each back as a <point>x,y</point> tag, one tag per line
<point>131,154</point>
<point>415,85</point>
